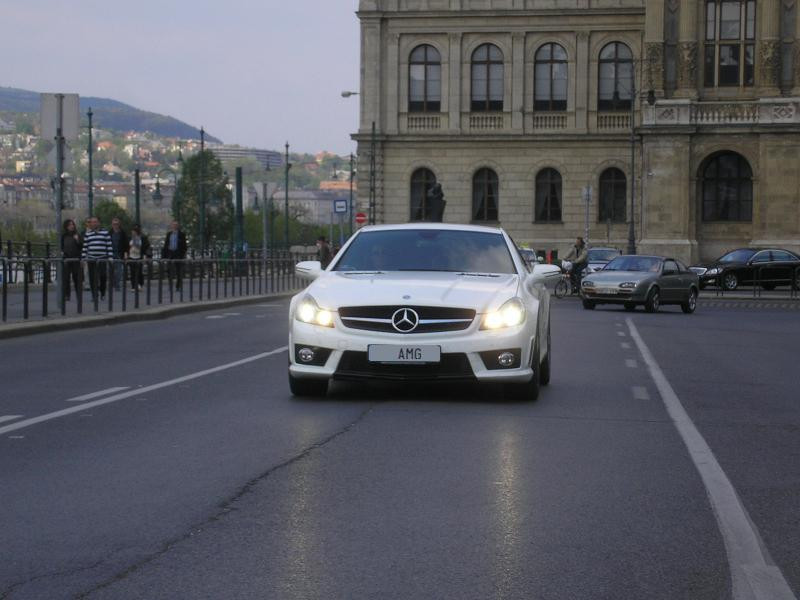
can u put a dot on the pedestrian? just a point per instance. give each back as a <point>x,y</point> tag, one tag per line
<point>119,247</point>
<point>324,251</point>
<point>579,256</point>
<point>71,254</point>
<point>138,251</point>
<point>97,252</point>
<point>175,251</point>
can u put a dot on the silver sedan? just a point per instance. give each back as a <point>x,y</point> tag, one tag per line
<point>651,281</point>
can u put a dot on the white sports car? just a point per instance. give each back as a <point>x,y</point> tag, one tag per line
<point>423,302</point>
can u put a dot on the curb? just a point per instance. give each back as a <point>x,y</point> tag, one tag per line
<point>149,314</point>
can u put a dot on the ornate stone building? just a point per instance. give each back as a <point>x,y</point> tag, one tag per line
<point>514,106</point>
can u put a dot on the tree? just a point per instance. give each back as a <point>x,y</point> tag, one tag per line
<point>218,203</point>
<point>106,210</point>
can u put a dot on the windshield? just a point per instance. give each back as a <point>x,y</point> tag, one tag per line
<point>427,250</point>
<point>738,256</point>
<point>602,254</point>
<point>634,263</point>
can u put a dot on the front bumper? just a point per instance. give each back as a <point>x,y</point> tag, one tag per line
<point>461,353</point>
<point>618,296</point>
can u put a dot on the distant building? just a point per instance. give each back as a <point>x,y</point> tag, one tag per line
<point>229,153</point>
<point>23,166</point>
<point>336,185</point>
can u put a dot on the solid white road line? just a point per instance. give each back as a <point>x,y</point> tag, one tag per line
<point>5,418</point>
<point>96,394</point>
<point>137,392</point>
<point>753,575</point>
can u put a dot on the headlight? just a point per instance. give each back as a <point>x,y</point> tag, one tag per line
<point>308,311</point>
<point>587,283</point>
<point>714,271</point>
<point>511,314</point>
<point>628,284</point>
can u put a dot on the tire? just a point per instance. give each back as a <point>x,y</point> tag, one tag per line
<point>796,283</point>
<point>730,281</point>
<point>544,367</point>
<point>561,289</point>
<point>525,392</point>
<point>308,387</point>
<point>653,301</point>
<point>588,304</point>
<point>630,306</point>
<point>691,303</point>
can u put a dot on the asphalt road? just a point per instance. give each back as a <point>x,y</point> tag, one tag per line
<point>195,474</point>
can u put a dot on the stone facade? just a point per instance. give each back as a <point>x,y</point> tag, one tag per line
<point>678,126</point>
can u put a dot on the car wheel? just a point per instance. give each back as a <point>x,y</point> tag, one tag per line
<point>544,367</point>
<point>526,392</point>
<point>307,387</point>
<point>730,281</point>
<point>796,284</point>
<point>691,303</point>
<point>630,306</point>
<point>561,289</point>
<point>588,304</point>
<point>653,301</point>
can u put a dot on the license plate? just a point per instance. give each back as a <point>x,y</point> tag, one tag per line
<point>606,291</point>
<point>385,353</point>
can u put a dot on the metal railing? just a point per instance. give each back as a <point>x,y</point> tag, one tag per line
<point>762,281</point>
<point>122,285</point>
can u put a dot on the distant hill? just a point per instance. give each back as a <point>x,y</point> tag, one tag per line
<point>108,114</point>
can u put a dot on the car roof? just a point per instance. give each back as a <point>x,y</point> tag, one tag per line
<point>644,256</point>
<point>442,226</point>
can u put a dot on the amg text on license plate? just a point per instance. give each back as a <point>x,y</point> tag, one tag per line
<point>386,353</point>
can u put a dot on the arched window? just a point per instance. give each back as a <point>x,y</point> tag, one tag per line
<point>729,53</point>
<point>615,77</point>
<point>550,78</point>
<point>487,79</point>
<point>613,196</point>
<point>548,196</point>
<point>727,188</point>
<point>485,188</point>
<point>422,181</point>
<point>424,80</point>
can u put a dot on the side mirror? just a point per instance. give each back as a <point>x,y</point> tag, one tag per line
<point>542,273</point>
<point>308,269</point>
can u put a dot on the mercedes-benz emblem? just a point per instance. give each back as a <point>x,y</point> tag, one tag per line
<point>405,320</point>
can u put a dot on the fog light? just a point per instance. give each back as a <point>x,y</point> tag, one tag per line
<point>306,355</point>
<point>506,359</point>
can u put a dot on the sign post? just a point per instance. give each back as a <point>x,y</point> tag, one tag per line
<point>340,208</point>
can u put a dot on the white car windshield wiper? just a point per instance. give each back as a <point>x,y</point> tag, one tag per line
<point>429,270</point>
<point>471,274</point>
<point>361,272</point>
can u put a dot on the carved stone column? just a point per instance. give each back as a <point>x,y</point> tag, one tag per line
<point>517,80</point>
<point>654,47</point>
<point>454,67</point>
<point>769,48</point>
<point>687,51</point>
<point>796,57</point>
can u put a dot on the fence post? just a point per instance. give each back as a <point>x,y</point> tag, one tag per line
<point>5,288</point>
<point>45,280</point>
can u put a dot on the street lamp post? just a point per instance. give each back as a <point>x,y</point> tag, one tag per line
<point>631,222</point>
<point>286,201</point>
<point>350,207</point>
<point>137,195</point>
<point>90,151</point>
<point>202,192</point>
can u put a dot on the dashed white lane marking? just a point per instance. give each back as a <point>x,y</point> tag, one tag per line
<point>16,437</point>
<point>215,317</point>
<point>640,393</point>
<point>753,575</point>
<point>96,394</point>
<point>5,418</point>
<point>631,363</point>
<point>625,345</point>
<point>136,392</point>
<point>621,333</point>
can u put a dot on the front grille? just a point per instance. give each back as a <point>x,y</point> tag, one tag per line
<point>432,319</point>
<point>355,365</point>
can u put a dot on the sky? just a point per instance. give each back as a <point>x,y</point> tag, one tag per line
<point>252,72</point>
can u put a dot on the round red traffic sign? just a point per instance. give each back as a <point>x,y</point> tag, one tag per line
<point>361,218</point>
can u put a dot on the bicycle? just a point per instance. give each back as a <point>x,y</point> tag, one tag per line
<point>566,284</point>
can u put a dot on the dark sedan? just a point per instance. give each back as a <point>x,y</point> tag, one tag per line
<point>767,267</point>
<point>599,258</point>
<point>651,281</point>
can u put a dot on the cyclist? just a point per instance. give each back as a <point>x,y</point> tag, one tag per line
<point>579,257</point>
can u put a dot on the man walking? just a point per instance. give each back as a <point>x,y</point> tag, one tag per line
<point>175,250</point>
<point>97,251</point>
<point>119,247</point>
<point>324,252</point>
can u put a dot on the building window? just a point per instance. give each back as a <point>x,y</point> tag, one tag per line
<point>422,181</point>
<point>613,196</point>
<point>548,196</point>
<point>615,78</point>
<point>729,51</point>
<point>425,80</point>
<point>727,188</point>
<point>550,78</point>
<point>485,188</point>
<point>487,79</point>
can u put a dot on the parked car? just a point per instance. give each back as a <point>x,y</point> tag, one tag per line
<point>651,281</point>
<point>422,302</point>
<point>767,267</point>
<point>529,256</point>
<point>599,258</point>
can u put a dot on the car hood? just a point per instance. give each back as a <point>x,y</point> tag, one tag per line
<point>336,289</point>
<point>617,277</point>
